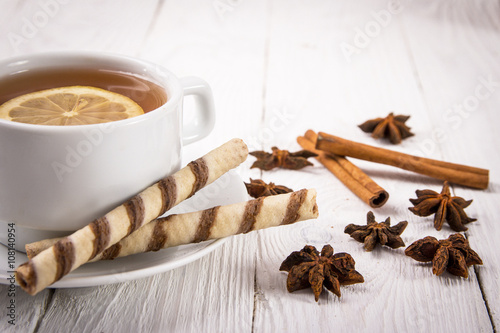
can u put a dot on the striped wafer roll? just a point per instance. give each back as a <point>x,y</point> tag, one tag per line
<point>213,223</point>
<point>83,245</point>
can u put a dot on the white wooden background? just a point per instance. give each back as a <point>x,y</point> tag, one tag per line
<point>278,68</point>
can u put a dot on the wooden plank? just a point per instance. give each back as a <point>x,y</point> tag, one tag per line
<point>195,297</point>
<point>461,82</point>
<point>398,294</point>
<point>48,26</point>
<point>67,25</point>
<point>27,312</point>
<point>222,45</point>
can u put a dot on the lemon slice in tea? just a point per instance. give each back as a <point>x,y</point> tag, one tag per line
<point>75,105</point>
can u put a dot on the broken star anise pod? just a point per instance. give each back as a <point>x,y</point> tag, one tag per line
<point>374,232</point>
<point>391,127</point>
<point>258,188</point>
<point>308,268</point>
<point>281,159</point>
<point>453,254</point>
<point>446,207</point>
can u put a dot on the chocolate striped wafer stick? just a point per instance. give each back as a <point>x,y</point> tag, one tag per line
<point>212,223</point>
<point>83,245</point>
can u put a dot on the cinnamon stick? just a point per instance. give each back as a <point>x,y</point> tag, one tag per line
<point>349,174</point>
<point>455,173</point>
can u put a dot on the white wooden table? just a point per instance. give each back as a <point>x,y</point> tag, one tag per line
<point>278,68</point>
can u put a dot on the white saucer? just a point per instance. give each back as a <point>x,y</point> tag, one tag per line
<point>226,190</point>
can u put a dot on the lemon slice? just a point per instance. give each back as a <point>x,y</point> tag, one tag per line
<point>75,105</point>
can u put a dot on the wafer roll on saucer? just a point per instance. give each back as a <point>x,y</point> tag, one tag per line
<point>85,244</point>
<point>212,223</point>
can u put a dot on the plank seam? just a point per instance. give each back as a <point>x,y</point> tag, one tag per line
<point>45,308</point>
<point>485,300</point>
<point>415,72</point>
<point>254,294</point>
<point>265,68</point>
<point>152,24</point>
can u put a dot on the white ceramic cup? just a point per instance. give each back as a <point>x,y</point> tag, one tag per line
<point>57,179</point>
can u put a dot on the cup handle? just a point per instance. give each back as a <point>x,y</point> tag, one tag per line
<point>204,120</point>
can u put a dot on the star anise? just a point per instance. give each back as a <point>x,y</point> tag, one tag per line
<point>453,254</point>
<point>446,208</point>
<point>375,232</point>
<point>392,127</point>
<point>258,188</point>
<point>309,268</point>
<point>281,159</point>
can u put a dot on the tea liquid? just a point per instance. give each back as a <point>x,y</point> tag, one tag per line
<point>147,94</point>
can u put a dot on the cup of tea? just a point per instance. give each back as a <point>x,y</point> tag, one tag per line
<point>80,133</point>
